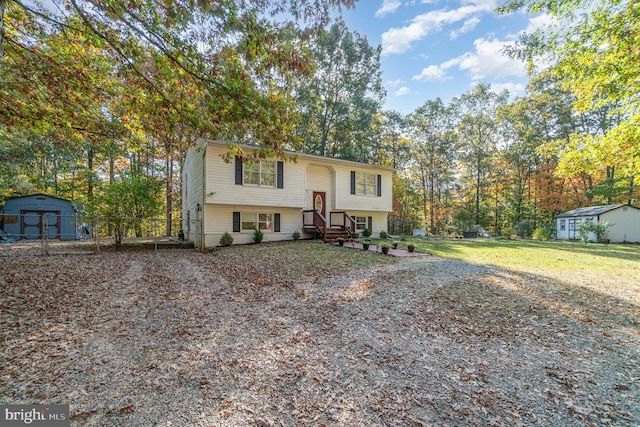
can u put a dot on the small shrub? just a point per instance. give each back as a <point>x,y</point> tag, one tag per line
<point>296,235</point>
<point>226,240</point>
<point>600,229</point>
<point>508,232</point>
<point>367,232</point>
<point>524,229</point>
<point>385,245</point>
<point>542,233</point>
<point>383,235</point>
<point>258,235</point>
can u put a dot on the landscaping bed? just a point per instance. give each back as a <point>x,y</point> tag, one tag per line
<point>303,333</point>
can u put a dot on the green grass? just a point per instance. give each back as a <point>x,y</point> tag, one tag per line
<point>567,261</point>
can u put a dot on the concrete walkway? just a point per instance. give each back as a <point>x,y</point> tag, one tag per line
<point>378,249</point>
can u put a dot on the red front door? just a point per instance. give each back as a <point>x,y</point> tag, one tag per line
<point>319,205</point>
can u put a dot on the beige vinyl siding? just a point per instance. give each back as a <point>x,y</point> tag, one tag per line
<point>192,192</point>
<point>624,224</point>
<point>319,178</point>
<point>378,220</point>
<point>347,201</point>
<point>222,196</point>
<point>221,181</point>
<point>219,219</point>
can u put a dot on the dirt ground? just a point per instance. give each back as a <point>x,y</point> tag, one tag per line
<point>264,335</point>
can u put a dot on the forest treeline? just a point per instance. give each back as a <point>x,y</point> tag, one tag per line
<point>101,99</point>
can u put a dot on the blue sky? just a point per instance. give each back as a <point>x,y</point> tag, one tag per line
<point>438,48</point>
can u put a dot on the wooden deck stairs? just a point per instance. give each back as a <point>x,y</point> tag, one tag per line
<point>340,225</point>
<point>332,234</point>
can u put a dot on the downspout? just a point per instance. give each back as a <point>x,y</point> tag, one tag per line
<point>204,190</point>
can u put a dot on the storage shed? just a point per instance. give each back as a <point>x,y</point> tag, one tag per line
<point>27,217</point>
<point>624,222</point>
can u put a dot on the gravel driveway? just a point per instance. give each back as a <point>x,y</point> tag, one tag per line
<point>255,336</point>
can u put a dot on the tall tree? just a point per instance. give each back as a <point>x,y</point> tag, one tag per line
<point>593,52</point>
<point>520,135</point>
<point>431,128</point>
<point>241,54</point>
<point>478,138</point>
<point>339,103</point>
<point>393,147</point>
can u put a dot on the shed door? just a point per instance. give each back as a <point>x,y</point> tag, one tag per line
<point>574,227</point>
<point>33,224</point>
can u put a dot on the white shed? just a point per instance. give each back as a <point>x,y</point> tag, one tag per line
<point>624,222</point>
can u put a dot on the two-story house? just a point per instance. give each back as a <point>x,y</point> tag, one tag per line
<point>314,196</point>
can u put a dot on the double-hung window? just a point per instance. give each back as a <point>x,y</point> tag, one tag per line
<point>363,222</point>
<point>249,221</point>
<point>260,172</point>
<point>367,184</point>
<point>253,220</point>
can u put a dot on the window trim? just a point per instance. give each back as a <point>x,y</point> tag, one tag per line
<point>368,222</point>
<point>239,219</point>
<point>365,180</point>
<point>278,173</point>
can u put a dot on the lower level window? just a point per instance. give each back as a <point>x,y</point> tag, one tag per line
<point>253,220</point>
<point>361,222</point>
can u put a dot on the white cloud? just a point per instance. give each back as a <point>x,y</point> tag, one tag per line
<point>468,26</point>
<point>541,21</point>
<point>489,61</point>
<point>398,40</point>
<point>403,91</point>
<point>388,6</point>
<point>395,83</point>
<point>437,73</point>
<point>513,88</point>
<point>432,73</point>
<point>486,62</point>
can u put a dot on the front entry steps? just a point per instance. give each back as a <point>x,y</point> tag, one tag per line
<point>332,234</point>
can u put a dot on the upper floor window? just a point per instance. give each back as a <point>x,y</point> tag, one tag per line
<point>262,173</point>
<point>367,184</point>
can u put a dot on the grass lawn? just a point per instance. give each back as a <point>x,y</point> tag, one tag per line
<point>568,262</point>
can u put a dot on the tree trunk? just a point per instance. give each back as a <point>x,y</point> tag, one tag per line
<point>169,192</point>
<point>478,176</point>
<point>90,155</point>
<point>3,4</point>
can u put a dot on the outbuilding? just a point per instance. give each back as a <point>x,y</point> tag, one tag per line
<point>623,220</point>
<point>29,217</point>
